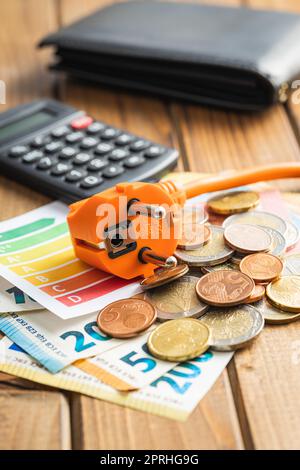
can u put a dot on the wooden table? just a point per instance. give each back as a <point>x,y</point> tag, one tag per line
<point>255,402</point>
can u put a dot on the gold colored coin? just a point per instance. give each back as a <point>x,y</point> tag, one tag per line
<point>233,328</point>
<point>178,299</point>
<point>233,202</point>
<point>284,293</point>
<point>275,316</point>
<point>179,340</point>
<point>292,264</point>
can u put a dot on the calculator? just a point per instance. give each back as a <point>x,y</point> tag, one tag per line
<point>68,155</point>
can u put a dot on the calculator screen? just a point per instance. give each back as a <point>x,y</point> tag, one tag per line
<point>26,124</point>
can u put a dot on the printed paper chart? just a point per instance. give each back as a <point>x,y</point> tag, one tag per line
<point>36,255</point>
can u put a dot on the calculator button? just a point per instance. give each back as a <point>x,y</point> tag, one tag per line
<point>103,148</point>
<point>118,154</point>
<point>95,128</point>
<point>124,139</point>
<point>45,163</point>
<point>81,158</point>
<point>18,151</point>
<point>91,181</point>
<point>89,142</point>
<point>139,145</point>
<point>96,164</point>
<point>60,169</point>
<point>60,132</point>
<point>113,170</point>
<point>40,141</point>
<point>74,137</point>
<point>154,151</point>
<point>82,122</point>
<point>53,147</point>
<point>109,133</point>
<point>32,156</point>
<point>75,175</point>
<point>66,153</point>
<point>133,161</point>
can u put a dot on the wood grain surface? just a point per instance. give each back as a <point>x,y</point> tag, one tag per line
<point>254,404</point>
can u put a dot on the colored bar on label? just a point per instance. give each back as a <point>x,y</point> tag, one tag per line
<point>37,252</point>
<point>59,274</point>
<point>26,229</point>
<point>76,282</point>
<point>28,242</point>
<point>52,261</point>
<point>89,293</point>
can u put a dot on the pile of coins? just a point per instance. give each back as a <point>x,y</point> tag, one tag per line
<point>230,280</point>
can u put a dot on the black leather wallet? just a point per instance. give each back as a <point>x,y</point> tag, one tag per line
<point>229,57</point>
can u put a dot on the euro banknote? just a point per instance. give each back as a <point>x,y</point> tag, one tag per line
<point>13,299</point>
<point>54,342</point>
<point>174,395</point>
<point>127,367</point>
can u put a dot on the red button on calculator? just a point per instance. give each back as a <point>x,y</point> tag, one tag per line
<point>81,122</point>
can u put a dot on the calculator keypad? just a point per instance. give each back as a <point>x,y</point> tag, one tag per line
<point>85,153</point>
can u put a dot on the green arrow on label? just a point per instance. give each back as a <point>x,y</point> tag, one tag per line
<point>30,242</point>
<point>25,229</point>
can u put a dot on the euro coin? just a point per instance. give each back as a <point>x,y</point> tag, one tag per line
<point>292,235</point>
<point>214,252</point>
<point>195,214</point>
<point>228,266</point>
<point>262,267</point>
<point>265,219</point>
<point>162,276</point>
<point>284,293</point>
<point>224,288</point>
<point>275,316</point>
<point>278,245</point>
<point>194,236</point>
<point>126,318</point>
<point>292,264</point>
<point>237,258</point>
<point>233,328</point>
<point>233,202</point>
<point>177,299</point>
<point>179,340</point>
<point>246,238</point>
<point>257,294</point>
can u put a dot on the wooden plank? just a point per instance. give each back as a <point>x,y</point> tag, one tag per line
<point>34,420</point>
<point>151,118</point>
<point>23,69</point>
<point>105,426</point>
<point>264,382</point>
<point>28,419</point>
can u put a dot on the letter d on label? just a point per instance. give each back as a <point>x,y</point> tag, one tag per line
<point>74,298</point>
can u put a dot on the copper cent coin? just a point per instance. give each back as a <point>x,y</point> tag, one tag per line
<point>257,294</point>
<point>126,318</point>
<point>247,238</point>
<point>262,267</point>
<point>224,288</point>
<point>194,236</point>
<point>162,276</point>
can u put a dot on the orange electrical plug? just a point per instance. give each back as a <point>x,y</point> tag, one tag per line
<point>130,229</point>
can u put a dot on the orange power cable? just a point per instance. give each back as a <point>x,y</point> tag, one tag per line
<point>241,178</point>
